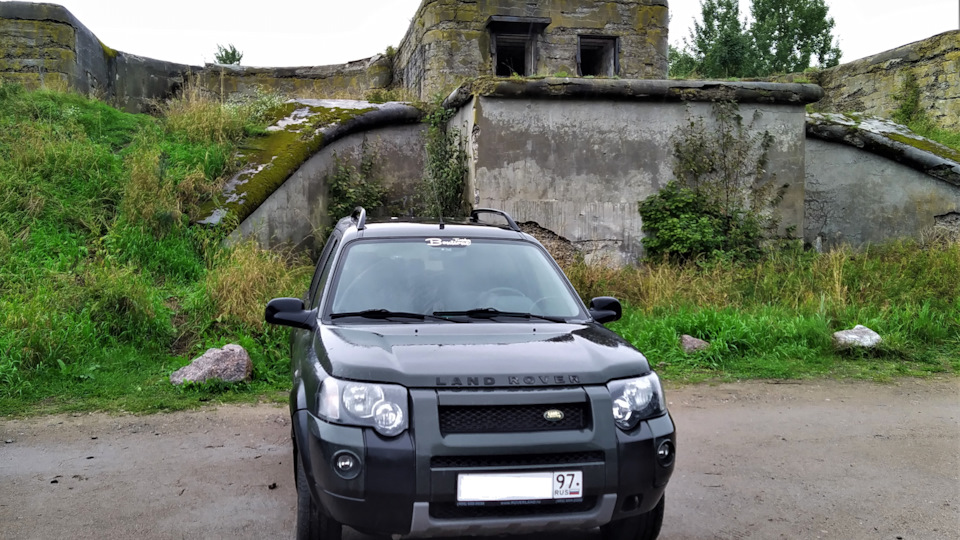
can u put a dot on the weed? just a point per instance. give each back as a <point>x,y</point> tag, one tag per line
<point>441,191</point>
<point>723,203</point>
<point>248,277</point>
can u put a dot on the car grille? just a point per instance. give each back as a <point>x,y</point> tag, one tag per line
<point>525,460</point>
<point>452,511</point>
<point>510,418</point>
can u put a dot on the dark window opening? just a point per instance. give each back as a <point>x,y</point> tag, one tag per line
<point>598,56</point>
<point>513,44</point>
<point>511,54</point>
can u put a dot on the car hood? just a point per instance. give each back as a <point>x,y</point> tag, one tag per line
<point>478,354</point>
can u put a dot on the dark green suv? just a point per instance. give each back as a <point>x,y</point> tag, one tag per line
<point>448,381</point>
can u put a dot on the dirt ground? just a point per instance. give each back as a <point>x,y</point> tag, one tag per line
<point>822,459</point>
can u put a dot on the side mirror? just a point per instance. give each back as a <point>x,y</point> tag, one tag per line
<point>605,309</point>
<point>290,312</point>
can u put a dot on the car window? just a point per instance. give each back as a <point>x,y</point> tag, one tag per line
<point>320,278</point>
<point>441,275</point>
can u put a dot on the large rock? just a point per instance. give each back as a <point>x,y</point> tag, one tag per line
<point>859,337</point>
<point>690,344</point>
<point>229,364</point>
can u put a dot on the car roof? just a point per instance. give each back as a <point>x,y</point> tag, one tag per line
<point>357,225</point>
<point>426,230</point>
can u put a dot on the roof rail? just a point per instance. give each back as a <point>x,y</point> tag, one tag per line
<point>359,215</point>
<point>474,214</point>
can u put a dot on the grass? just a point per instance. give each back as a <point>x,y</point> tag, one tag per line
<point>774,319</point>
<point>105,288</point>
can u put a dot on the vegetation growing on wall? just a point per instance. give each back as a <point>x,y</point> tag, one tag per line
<point>227,55</point>
<point>350,186</point>
<point>441,192</point>
<point>911,113</point>
<point>722,203</point>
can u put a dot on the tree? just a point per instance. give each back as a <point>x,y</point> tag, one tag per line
<point>719,41</point>
<point>228,54</point>
<point>782,36</point>
<point>682,63</point>
<point>788,33</point>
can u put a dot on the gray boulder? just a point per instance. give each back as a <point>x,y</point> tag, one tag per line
<point>229,364</point>
<point>690,344</point>
<point>859,337</point>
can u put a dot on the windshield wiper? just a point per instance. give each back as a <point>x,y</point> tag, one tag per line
<point>490,313</point>
<point>383,314</point>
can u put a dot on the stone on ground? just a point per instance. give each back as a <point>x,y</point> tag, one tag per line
<point>690,344</point>
<point>229,364</point>
<point>859,337</point>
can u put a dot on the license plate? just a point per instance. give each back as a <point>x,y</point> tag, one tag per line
<point>519,486</point>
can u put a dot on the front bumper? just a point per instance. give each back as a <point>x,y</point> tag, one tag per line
<point>407,484</point>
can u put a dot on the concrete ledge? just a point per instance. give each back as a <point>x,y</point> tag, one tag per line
<point>636,90</point>
<point>887,139</point>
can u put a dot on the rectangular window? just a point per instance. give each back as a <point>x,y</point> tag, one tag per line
<point>512,54</point>
<point>513,44</point>
<point>598,56</point>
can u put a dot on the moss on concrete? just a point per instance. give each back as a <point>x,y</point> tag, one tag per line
<point>273,158</point>
<point>926,146</point>
<point>108,53</point>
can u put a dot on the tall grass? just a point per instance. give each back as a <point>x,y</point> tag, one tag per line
<point>775,318</point>
<point>103,281</point>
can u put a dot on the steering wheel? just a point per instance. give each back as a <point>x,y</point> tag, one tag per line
<point>537,307</point>
<point>500,298</point>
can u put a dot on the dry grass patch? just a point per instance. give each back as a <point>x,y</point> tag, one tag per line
<point>248,277</point>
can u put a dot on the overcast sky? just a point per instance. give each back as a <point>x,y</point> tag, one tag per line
<point>320,32</point>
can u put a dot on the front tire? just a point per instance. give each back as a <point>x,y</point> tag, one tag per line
<point>312,521</point>
<point>643,527</point>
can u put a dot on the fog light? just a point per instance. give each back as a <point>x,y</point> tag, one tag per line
<point>347,465</point>
<point>665,454</point>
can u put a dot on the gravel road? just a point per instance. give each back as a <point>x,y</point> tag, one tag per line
<point>821,459</point>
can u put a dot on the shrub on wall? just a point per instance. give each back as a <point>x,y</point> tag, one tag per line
<point>441,192</point>
<point>721,204</point>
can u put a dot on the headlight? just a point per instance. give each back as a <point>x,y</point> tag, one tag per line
<point>636,399</point>
<point>380,406</point>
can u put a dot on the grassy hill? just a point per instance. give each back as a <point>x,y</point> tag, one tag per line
<point>106,287</point>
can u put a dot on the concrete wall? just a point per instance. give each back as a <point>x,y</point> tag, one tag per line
<point>579,167</point>
<point>346,81</point>
<point>294,211</point>
<point>46,46</point>
<point>869,85</point>
<point>448,41</point>
<point>858,197</point>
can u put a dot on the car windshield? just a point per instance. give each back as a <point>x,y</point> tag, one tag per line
<point>465,278</point>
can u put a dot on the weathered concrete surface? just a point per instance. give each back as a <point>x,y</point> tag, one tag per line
<point>295,211</point>
<point>579,166</point>
<point>448,41</point>
<point>858,197</point>
<point>869,181</point>
<point>347,81</point>
<point>890,140</point>
<point>870,84</point>
<point>46,46</point>
<point>310,125</point>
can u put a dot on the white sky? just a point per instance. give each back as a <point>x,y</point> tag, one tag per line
<point>320,32</point>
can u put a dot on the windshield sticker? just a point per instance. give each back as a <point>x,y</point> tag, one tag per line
<point>448,242</point>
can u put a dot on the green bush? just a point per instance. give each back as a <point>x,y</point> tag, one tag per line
<point>723,203</point>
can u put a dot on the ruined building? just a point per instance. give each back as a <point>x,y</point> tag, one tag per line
<point>565,114</point>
